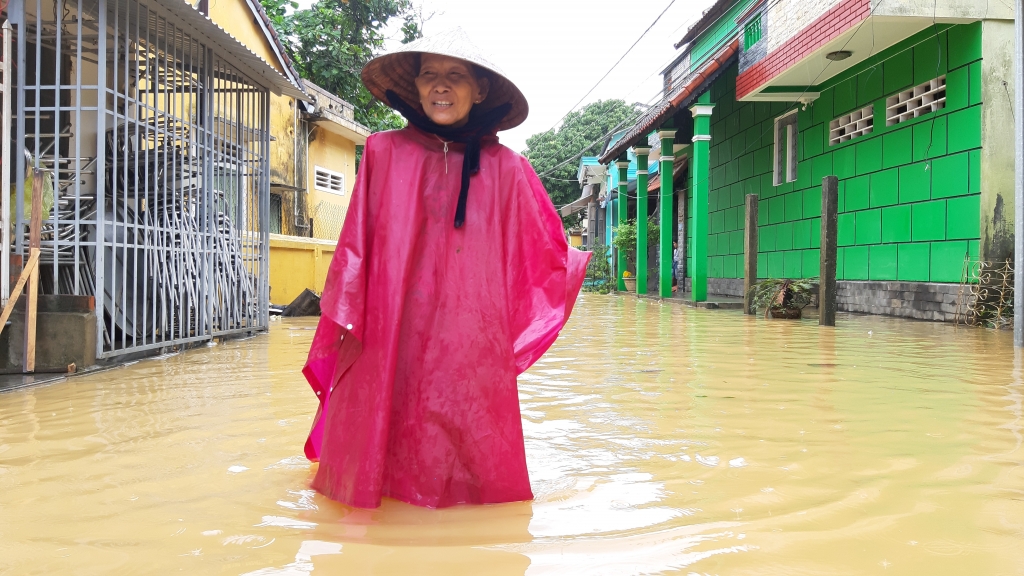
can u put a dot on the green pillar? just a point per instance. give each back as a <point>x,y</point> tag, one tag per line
<point>700,172</point>
<point>623,202</point>
<point>641,218</point>
<point>665,205</point>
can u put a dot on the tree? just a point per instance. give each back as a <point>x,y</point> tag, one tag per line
<point>331,41</point>
<point>581,134</point>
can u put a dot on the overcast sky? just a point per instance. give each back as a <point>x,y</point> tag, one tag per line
<point>556,50</point>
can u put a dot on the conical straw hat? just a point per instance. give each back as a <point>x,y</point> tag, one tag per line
<point>397,70</point>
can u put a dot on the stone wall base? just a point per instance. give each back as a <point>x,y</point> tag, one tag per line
<point>920,300</point>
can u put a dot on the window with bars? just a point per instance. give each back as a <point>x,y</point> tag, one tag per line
<point>915,102</point>
<point>786,132</point>
<point>752,32</point>
<point>275,214</point>
<point>852,125</point>
<point>328,180</point>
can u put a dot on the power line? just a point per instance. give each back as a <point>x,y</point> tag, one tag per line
<point>617,62</point>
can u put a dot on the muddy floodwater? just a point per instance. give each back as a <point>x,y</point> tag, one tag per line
<point>660,439</point>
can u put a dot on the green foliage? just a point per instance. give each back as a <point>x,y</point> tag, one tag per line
<point>548,149</point>
<point>332,40</point>
<point>625,239</point>
<point>599,271</point>
<point>781,294</point>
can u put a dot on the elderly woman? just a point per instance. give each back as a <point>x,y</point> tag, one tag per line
<point>451,277</point>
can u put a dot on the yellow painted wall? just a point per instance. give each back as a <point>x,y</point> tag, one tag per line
<point>336,153</point>
<point>297,264</point>
<point>237,17</point>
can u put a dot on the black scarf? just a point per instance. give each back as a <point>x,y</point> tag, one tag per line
<point>480,124</point>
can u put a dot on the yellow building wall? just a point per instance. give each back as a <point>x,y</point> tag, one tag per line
<point>297,264</point>
<point>337,153</point>
<point>236,17</point>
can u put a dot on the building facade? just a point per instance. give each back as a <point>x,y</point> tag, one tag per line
<point>908,105</point>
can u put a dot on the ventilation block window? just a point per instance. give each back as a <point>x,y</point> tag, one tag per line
<point>329,181</point>
<point>786,131</point>
<point>848,127</point>
<point>915,102</point>
<point>752,32</point>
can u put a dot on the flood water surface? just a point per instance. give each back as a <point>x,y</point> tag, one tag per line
<point>660,440</point>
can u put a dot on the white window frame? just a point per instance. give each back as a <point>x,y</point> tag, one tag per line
<point>317,170</point>
<point>784,162</point>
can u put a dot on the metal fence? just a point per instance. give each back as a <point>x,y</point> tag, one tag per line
<point>158,151</point>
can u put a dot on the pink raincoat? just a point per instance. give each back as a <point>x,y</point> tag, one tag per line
<point>425,327</point>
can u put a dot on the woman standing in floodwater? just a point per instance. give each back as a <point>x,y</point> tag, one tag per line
<point>451,277</point>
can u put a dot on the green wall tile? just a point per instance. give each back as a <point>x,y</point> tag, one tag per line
<point>974,248</point>
<point>930,139</point>
<point>844,97</point>
<point>776,210</point>
<point>869,156</point>
<point>840,264</point>
<point>897,147</point>
<point>950,175</point>
<point>869,85</point>
<point>812,263</point>
<point>882,264</point>
<point>958,88</point>
<point>717,222</point>
<point>775,265</point>
<point>885,188</point>
<point>821,109</point>
<point>762,266</point>
<point>712,245</point>
<point>857,190</point>
<point>930,58</point>
<point>844,162</point>
<point>730,267</point>
<point>802,234</point>
<point>846,229</point>
<point>812,202</point>
<point>793,264</point>
<point>813,140</point>
<point>747,165</point>
<point>762,212</point>
<point>816,233</point>
<point>928,221</point>
<point>822,166</point>
<point>896,224</point>
<point>869,226</point>
<point>794,206</point>
<point>913,262</point>
<point>974,172</point>
<point>965,129</point>
<point>855,265</point>
<point>898,71</point>
<point>915,182</point>
<point>763,160</point>
<point>963,218</point>
<point>975,83</point>
<point>784,236</point>
<point>948,261</point>
<point>766,238</point>
<point>964,44</point>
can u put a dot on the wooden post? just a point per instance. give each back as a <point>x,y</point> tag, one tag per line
<point>750,254</point>
<point>35,229</point>
<point>829,240</point>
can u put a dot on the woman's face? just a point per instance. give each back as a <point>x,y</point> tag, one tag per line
<point>448,89</point>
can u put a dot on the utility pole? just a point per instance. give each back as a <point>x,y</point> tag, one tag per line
<point>1018,196</point>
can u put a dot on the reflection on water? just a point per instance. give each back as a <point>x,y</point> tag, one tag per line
<point>660,439</point>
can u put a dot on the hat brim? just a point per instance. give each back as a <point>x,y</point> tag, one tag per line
<point>397,71</point>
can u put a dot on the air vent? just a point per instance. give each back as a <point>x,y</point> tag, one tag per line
<point>329,181</point>
<point>848,127</point>
<point>918,101</point>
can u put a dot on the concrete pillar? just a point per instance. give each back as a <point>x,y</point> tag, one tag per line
<point>623,205</point>
<point>700,172</point>
<point>665,205</point>
<point>1018,198</point>
<point>829,240</point>
<point>642,152</point>
<point>749,253</point>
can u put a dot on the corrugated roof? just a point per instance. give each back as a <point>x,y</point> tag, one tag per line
<point>228,47</point>
<point>286,61</point>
